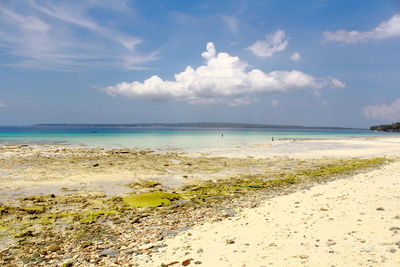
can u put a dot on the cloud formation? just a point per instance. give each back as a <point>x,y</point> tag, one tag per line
<point>231,23</point>
<point>386,112</point>
<point>222,79</point>
<point>2,105</point>
<point>386,29</point>
<point>273,43</point>
<point>62,35</point>
<point>296,57</point>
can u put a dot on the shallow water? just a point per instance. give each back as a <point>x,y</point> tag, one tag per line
<point>165,138</point>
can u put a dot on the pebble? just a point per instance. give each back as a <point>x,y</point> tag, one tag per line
<point>108,252</point>
<point>54,248</point>
<point>186,262</point>
<point>331,243</point>
<point>380,208</point>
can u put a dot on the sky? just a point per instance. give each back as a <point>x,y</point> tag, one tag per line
<point>305,62</point>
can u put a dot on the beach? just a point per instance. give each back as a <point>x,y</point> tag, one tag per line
<point>349,222</point>
<point>311,202</point>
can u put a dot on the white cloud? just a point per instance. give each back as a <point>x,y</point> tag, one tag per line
<point>231,23</point>
<point>222,79</point>
<point>273,43</point>
<point>386,29</point>
<point>386,112</point>
<point>2,105</point>
<point>337,83</point>
<point>64,35</point>
<point>296,57</point>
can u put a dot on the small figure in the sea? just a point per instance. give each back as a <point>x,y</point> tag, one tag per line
<point>222,135</point>
<point>272,139</point>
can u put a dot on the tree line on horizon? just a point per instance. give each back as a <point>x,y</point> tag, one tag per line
<point>394,127</point>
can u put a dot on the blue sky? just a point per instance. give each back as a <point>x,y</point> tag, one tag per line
<point>314,62</point>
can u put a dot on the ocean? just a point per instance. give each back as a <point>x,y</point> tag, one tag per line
<point>165,138</point>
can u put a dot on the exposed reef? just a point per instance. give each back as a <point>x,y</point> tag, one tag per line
<point>82,228</point>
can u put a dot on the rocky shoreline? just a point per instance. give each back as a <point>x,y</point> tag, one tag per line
<point>87,228</point>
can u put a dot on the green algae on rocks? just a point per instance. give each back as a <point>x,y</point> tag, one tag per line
<point>245,183</point>
<point>36,221</point>
<point>148,200</point>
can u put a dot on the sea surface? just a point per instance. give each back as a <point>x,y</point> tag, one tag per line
<point>165,138</point>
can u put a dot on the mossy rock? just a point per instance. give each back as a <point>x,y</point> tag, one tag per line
<point>4,209</point>
<point>148,200</point>
<point>33,209</point>
<point>93,216</point>
<point>143,184</point>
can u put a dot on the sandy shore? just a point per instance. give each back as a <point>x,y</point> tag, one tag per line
<point>313,148</point>
<point>285,204</point>
<point>347,222</point>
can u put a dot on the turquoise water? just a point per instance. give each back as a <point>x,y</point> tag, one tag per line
<point>162,138</point>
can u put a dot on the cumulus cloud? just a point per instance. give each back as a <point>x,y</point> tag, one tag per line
<point>386,29</point>
<point>386,112</point>
<point>273,43</point>
<point>296,57</point>
<point>2,105</point>
<point>64,35</point>
<point>222,79</point>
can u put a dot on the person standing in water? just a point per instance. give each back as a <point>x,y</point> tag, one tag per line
<point>222,135</point>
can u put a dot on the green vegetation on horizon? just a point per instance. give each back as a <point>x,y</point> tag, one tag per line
<point>394,127</point>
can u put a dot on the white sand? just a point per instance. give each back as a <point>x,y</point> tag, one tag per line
<point>350,147</point>
<point>334,224</point>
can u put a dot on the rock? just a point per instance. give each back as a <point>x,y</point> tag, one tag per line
<point>108,252</point>
<point>323,209</point>
<point>380,208</point>
<point>197,262</point>
<point>68,264</point>
<point>54,248</point>
<point>86,244</point>
<point>331,243</point>
<point>95,165</point>
<point>230,241</point>
<point>135,220</point>
<point>186,262</point>
<point>200,250</point>
<point>145,247</point>
<point>392,250</point>
<point>303,257</point>
<point>394,228</point>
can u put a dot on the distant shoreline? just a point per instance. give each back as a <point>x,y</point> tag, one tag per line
<point>193,125</point>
